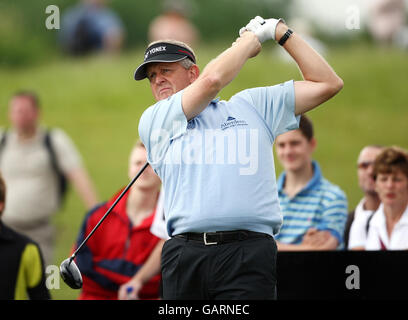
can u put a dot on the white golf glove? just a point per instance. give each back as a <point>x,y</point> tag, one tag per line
<point>264,29</point>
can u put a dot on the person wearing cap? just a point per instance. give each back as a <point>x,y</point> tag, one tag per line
<point>215,160</point>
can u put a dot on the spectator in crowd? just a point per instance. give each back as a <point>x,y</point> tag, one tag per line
<point>124,243</point>
<point>152,266</point>
<point>21,267</point>
<point>387,22</point>
<point>356,230</point>
<point>174,23</point>
<point>221,216</point>
<point>91,26</point>
<point>36,164</point>
<point>314,210</point>
<point>389,225</point>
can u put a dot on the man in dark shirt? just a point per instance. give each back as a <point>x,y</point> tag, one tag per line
<point>22,270</point>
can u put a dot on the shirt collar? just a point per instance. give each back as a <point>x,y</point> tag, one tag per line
<point>5,233</point>
<point>379,217</point>
<point>215,101</point>
<point>360,208</point>
<point>404,217</point>
<point>312,183</point>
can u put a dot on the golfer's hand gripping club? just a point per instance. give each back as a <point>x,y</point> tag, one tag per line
<point>264,29</point>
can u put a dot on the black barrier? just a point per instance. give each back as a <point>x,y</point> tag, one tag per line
<point>342,275</point>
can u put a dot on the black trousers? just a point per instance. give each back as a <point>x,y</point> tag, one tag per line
<point>241,270</point>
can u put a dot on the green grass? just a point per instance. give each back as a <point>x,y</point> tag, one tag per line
<point>97,102</point>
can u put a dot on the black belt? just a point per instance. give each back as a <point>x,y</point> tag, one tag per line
<point>221,237</point>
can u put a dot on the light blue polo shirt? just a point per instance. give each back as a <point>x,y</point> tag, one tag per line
<point>217,169</point>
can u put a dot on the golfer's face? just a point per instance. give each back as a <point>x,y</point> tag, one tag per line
<point>293,149</point>
<point>167,79</point>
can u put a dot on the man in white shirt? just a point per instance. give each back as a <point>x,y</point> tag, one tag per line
<point>356,227</point>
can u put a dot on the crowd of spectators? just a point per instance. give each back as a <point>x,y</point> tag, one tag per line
<point>123,260</point>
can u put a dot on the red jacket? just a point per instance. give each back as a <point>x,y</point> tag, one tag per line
<point>115,252</point>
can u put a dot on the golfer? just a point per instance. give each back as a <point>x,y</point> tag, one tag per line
<point>215,160</point>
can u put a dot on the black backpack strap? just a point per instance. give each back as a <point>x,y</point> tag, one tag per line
<point>3,141</point>
<point>51,151</point>
<point>349,222</point>
<point>54,162</point>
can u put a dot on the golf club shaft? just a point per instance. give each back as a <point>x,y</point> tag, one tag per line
<point>110,209</point>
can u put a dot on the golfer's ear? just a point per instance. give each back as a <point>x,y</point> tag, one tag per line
<point>193,73</point>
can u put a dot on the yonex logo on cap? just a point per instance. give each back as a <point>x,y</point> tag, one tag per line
<point>154,50</point>
<point>162,52</point>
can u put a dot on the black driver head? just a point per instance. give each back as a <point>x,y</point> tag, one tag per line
<point>70,273</point>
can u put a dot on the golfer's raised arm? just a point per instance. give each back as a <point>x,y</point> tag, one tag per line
<point>320,81</point>
<point>218,73</point>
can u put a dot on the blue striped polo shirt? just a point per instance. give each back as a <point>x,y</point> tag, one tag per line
<point>320,204</point>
